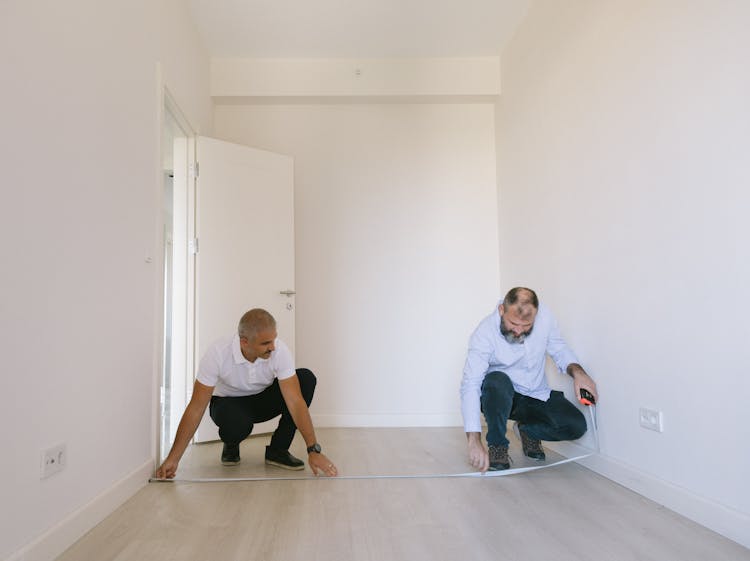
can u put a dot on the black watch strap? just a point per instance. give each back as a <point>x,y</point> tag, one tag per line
<point>314,448</point>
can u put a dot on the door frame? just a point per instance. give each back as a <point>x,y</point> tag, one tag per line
<point>181,304</point>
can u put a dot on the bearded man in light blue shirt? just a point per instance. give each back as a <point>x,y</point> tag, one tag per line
<point>504,379</point>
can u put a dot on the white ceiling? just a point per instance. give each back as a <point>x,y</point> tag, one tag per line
<point>356,28</point>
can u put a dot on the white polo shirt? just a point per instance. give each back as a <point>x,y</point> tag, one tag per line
<point>232,375</point>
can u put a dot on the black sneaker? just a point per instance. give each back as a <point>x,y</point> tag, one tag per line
<point>230,455</point>
<point>283,459</point>
<point>531,446</point>
<point>499,459</point>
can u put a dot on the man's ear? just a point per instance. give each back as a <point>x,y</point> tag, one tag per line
<point>501,309</point>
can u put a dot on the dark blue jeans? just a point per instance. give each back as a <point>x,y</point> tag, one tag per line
<point>554,419</point>
<point>235,416</point>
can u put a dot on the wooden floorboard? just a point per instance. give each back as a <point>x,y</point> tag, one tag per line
<point>562,513</point>
<point>356,452</point>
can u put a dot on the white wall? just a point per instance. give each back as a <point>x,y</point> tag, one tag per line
<point>232,77</point>
<point>623,134</point>
<point>396,243</point>
<point>78,312</point>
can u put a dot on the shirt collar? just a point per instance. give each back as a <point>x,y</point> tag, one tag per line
<point>239,358</point>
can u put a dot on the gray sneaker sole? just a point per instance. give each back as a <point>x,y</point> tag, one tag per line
<point>285,466</point>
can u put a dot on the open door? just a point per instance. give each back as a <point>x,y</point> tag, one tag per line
<point>244,248</point>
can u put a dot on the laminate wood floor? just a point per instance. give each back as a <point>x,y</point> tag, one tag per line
<point>562,513</point>
<point>356,452</point>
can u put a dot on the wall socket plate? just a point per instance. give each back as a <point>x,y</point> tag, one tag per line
<point>53,460</point>
<point>651,419</point>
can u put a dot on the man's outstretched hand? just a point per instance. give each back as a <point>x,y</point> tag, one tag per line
<point>321,465</point>
<point>478,456</point>
<point>167,470</point>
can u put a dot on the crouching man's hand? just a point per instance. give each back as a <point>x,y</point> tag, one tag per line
<point>167,470</point>
<point>581,380</point>
<point>321,465</point>
<point>478,456</point>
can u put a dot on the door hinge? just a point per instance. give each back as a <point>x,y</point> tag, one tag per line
<point>193,246</point>
<point>196,169</point>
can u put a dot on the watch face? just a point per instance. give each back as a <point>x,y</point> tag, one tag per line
<point>314,448</point>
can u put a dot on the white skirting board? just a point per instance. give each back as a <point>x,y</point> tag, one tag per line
<point>723,520</point>
<point>52,543</point>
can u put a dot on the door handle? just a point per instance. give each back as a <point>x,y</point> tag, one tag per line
<point>287,292</point>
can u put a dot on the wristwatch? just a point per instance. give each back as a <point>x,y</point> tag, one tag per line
<point>314,448</point>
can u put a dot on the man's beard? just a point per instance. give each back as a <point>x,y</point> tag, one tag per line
<point>512,338</point>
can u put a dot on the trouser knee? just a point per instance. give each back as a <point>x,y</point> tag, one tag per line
<point>577,427</point>
<point>307,383</point>
<point>228,415</point>
<point>571,425</point>
<point>497,394</point>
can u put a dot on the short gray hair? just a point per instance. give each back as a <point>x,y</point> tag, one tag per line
<point>254,321</point>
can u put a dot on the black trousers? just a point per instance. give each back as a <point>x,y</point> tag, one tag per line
<point>554,419</point>
<point>235,416</point>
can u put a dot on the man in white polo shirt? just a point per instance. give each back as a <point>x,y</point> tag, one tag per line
<point>504,378</point>
<point>249,378</point>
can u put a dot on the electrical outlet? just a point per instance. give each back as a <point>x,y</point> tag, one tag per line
<point>53,460</point>
<point>651,419</point>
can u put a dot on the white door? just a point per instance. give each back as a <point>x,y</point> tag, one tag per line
<point>245,254</point>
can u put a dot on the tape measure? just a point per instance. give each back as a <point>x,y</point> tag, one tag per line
<point>586,398</point>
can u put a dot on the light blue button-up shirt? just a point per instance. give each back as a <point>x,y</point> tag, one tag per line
<point>522,362</point>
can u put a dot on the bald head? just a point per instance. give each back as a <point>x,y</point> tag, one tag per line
<point>518,312</point>
<point>521,302</point>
